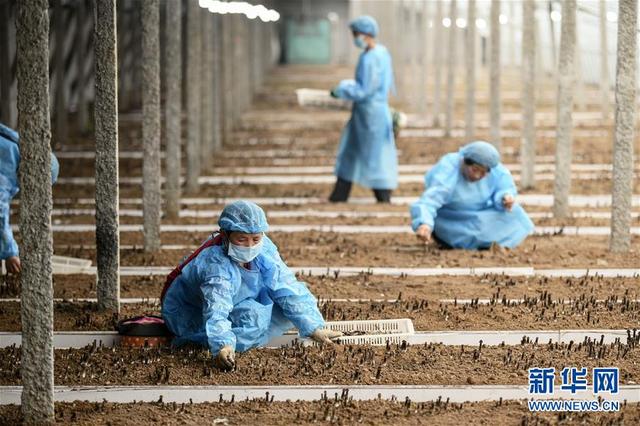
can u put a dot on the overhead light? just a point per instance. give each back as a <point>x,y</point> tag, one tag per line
<point>461,23</point>
<point>240,8</point>
<point>446,22</point>
<point>481,24</point>
<point>556,16</point>
<point>503,19</point>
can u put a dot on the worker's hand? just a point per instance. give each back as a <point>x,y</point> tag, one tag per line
<point>507,202</point>
<point>226,358</point>
<point>13,265</point>
<point>424,233</point>
<point>333,93</point>
<point>323,335</point>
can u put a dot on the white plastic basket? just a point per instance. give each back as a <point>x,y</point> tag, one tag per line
<point>320,99</point>
<point>373,327</point>
<point>373,339</point>
<point>68,265</point>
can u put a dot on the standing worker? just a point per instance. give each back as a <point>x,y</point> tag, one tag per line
<point>469,202</point>
<point>9,187</point>
<point>235,293</point>
<point>367,153</point>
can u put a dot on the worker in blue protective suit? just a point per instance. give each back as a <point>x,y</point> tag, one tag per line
<point>469,202</point>
<point>9,187</point>
<point>367,152</point>
<point>237,293</point>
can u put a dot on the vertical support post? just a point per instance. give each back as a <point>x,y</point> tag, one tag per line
<point>470,65</point>
<point>151,199</point>
<point>604,62</point>
<point>623,166</point>
<point>528,149</point>
<point>81,57</point>
<point>35,211</point>
<point>173,106</point>
<point>566,81</point>
<point>194,92</point>
<point>62,131</point>
<point>552,38</point>
<point>424,85</point>
<point>494,77</point>
<point>217,81</point>
<point>206,97</point>
<point>5,63</point>
<point>438,30</point>
<point>451,69</point>
<point>106,125</point>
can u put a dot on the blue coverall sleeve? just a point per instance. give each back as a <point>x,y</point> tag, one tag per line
<point>9,161</point>
<point>439,183</point>
<point>8,245</point>
<point>217,292</point>
<point>504,186</point>
<point>293,296</point>
<point>368,80</point>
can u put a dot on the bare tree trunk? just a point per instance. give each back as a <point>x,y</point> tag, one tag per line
<point>151,123</point>
<point>540,70</point>
<point>217,82</point>
<point>604,62</point>
<point>470,62</point>
<point>566,81</point>
<point>194,92</point>
<point>494,72</point>
<point>173,106</point>
<point>106,124</point>
<point>528,156</point>
<point>206,97</point>
<point>227,77</point>
<point>438,30</point>
<point>62,131</point>
<point>424,88</point>
<point>512,33</point>
<point>5,63</point>
<point>580,101</point>
<point>36,297</point>
<point>626,65</point>
<point>81,57</point>
<point>552,37</point>
<point>453,14</point>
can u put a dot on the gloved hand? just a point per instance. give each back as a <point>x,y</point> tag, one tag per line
<point>507,202</point>
<point>226,358</point>
<point>424,233</point>
<point>333,93</point>
<point>322,335</point>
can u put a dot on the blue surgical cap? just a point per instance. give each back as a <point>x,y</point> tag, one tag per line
<point>365,24</point>
<point>243,216</point>
<point>482,153</point>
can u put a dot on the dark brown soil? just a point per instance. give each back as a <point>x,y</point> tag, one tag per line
<point>532,313</point>
<point>323,412</point>
<point>381,287</point>
<point>374,250</point>
<point>334,364</point>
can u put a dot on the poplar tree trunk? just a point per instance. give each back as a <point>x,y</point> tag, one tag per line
<point>470,64</point>
<point>453,14</point>
<point>528,150</point>
<point>494,72</point>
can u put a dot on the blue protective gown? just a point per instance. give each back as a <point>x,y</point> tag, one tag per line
<point>367,153</point>
<point>470,215</point>
<point>216,302</point>
<point>9,186</point>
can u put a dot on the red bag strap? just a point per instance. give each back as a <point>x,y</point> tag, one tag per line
<point>215,241</point>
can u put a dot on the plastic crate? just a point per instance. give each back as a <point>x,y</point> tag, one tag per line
<point>68,265</point>
<point>320,99</point>
<point>373,339</point>
<point>373,327</point>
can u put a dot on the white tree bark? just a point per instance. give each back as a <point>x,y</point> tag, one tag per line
<point>494,72</point>
<point>624,126</point>
<point>604,62</point>
<point>173,105</point>
<point>438,30</point>
<point>580,101</point>
<point>528,150</point>
<point>451,69</point>
<point>552,39</point>
<point>424,25</point>
<point>470,65</point>
<point>32,40</point>
<point>151,206</point>
<point>566,81</point>
<point>106,125</point>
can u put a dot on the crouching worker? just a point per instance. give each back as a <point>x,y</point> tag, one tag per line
<point>9,187</point>
<point>469,202</point>
<point>235,293</point>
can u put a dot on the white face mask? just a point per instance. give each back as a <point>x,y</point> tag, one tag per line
<point>243,254</point>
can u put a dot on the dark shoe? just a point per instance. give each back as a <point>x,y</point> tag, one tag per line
<point>382,195</point>
<point>341,191</point>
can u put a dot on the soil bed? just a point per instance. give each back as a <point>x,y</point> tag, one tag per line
<point>531,314</point>
<point>391,250</point>
<point>323,412</point>
<point>335,364</point>
<point>379,287</point>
